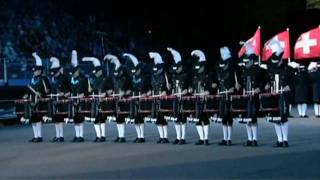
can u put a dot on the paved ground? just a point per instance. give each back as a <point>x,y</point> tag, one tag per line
<point>20,159</point>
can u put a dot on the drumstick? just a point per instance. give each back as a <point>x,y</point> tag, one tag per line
<point>33,90</point>
<point>45,87</point>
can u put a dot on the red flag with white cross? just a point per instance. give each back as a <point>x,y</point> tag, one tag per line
<point>254,43</point>
<point>308,45</point>
<point>270,46</point>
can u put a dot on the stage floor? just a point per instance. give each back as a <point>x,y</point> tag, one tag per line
<point>20,159</point>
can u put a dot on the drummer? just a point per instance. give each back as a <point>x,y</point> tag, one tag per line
<point>179,87</point>
<point>252,84</point>
<point>160,86</point>
<point>140,86</point>
<point>97,90</point>
<point>38,88</point>
<point>78,89</point>
<point>59,87</point>
<point>280,75</point>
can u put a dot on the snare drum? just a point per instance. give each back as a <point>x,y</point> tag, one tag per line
<point>189,108</point>
<point>123,108</point>
<point>86,106</point>
<point>61,107</point>
<point>168,106</point>
<point>239,105</point>
<point>108,106</point>
<point>42,106</point>
<point>23,108</point>
<point>270,103</point>
<point>146,106</point>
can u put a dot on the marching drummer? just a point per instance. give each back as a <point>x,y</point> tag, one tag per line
<point>122,90</point>
<point>252,83</point>
<point>226,86</point>
<point>97,90</point>
<point>38,88</point>
<point>179,87</point>
<point>78,89</point>
<point>199,82</point>
<point>140,86</point>
<point>59,87</point>
<point>160,86</point>
<point>280,76</point>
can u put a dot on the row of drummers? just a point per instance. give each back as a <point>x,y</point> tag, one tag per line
<point>178,95</point>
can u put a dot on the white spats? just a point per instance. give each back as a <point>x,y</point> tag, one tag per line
<point>284,130</point>
<point>138,131</point>
<point>249,132</point>
<point>97,129</point>
<point>141,130</point>
<point>200,132</point>
<point>165,131</point>
<point>206,131</point>
<point>121,130</point>
<point>160,129</point>
<point>304,109</point>
<point>300,109</point>
<point>254,128</point>
<point>81,130</point>
<point>229,132</point>
<point>103,129</point>
<point>277,127</point>
<point>178,131</point>
<point>60,129</point>
<point>225,132</point>
<point>77,130</point>
<point>316,109</point>
<point>35,132</point>
<point>183,131</point>
<point>39,129</point>
<point>57,130</point>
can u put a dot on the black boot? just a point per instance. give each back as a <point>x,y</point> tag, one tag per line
<point>255,143</point>
<point>102,139</point>
<point>165,140</point>
<point>160,141</point>
<point>176,141</point>
<point>55,139</point>
<point>122,140</point>
<point>61,139</point>
<point>248,143</point>
<point>278,144</point>
<point>80,139</point>
<point>32,140</point>
<point>141,140</point>
<point>75,139</point>
<point>39,139</point>
<point>182,141</point>
<point>285,144</point>
<point>200,142</point>
<point>206,142</point>
<point>96,140</point>
<point>229,143</point>
<point>223,143</point>
<point>116,140</point>
<point>136,140</point>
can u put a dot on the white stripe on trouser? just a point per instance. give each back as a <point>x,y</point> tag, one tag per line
<point>284,130</point>
<point>97,128</point>
<point>277,127</point>
<point>200,132</point>
<point>34,128</point>
<point>178,131</point>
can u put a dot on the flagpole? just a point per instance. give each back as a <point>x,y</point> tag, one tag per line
<point>289,59</point>
<point>259,58</point>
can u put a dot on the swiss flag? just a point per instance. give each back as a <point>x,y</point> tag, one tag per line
<point>269,47</point>
<point>308,45</point>
<point>254,42</point>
